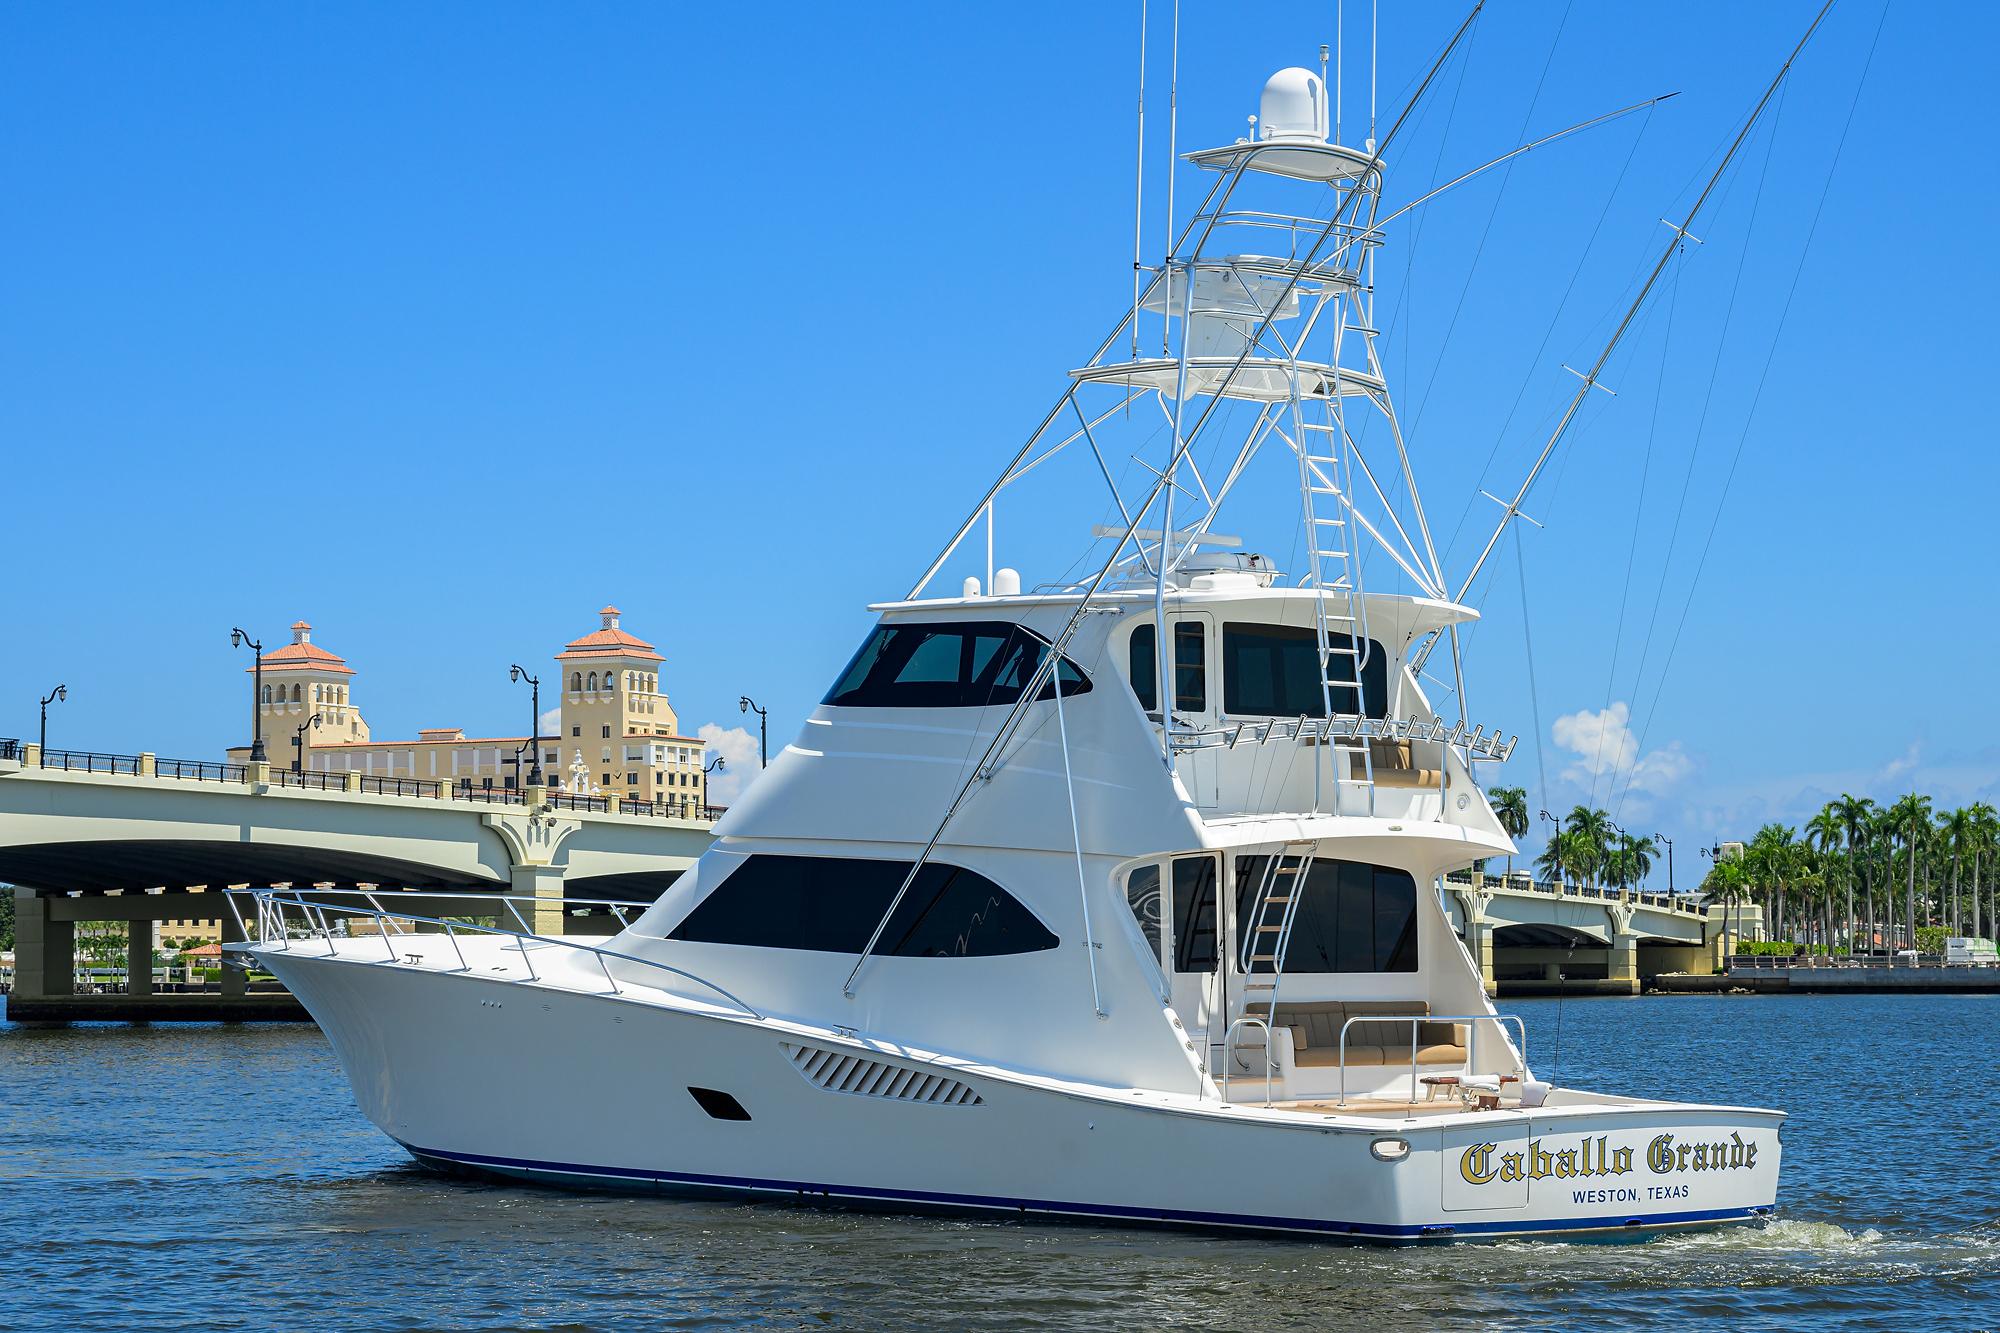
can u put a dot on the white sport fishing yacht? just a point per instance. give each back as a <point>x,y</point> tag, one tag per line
<point>1037,916</point>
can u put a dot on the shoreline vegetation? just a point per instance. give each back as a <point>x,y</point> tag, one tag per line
<point>1858,879</point>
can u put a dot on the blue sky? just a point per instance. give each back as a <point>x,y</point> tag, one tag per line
<point>441,326</point>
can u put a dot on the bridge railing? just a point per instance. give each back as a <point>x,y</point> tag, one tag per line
<point>1522,883</point>
<point>286,917</point>
<point>209,770</point>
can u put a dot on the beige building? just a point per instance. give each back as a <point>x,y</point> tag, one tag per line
<point>618,734</point>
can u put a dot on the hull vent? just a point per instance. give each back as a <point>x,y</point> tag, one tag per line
<point>838,1072</point>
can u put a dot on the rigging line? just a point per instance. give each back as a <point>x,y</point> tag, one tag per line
<point>1486,232</point>
<point>1590,380</point>
<point>1139,184</point>
<point>1757,396</point>
<point>1404,302</point>
<point>1076,837</point>
<point>1534,690</point>
<point>1632,552</point>
<point>1701,429</point>
<point>1548,334</point>
<point>1173,143</point>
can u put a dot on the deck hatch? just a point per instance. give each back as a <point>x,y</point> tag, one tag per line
<point>837,1071</point>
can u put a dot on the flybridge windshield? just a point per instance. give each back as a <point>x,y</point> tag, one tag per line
<point>962,664</point>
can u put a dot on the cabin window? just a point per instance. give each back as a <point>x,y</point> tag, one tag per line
<point>969,664</point>
<point>831,904</point>
<point>1142,895</point>
<point>1273,671</point>
<point>1190,668</point>
<point>1194,914</point>
<point>1354,917</point>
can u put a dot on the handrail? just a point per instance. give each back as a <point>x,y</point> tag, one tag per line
<point>1228,1051</point>
<point>1471,1050</point>
<point>279,899</point>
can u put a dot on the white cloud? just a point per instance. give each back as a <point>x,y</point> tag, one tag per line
<point>551,724</point>
<point>738,749</point>
<point>1895,768</point>
<point>1602,744</point>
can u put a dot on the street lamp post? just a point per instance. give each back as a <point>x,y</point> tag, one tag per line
<point>748,705</point>
<point>237,639</point>
<point>299,742</point>
<point>56,695</point>
<point>1556,829</point>
<point>715,765</point>
<point>1661,837</point>
<point>520,673</point>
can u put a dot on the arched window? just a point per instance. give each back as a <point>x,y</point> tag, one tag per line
<point>576,682</point>
<point>593,682</point>
<point>298,695</point>
<point>316,694</point>
<point>267,696</point>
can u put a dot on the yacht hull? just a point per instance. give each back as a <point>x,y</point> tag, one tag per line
<point>632,1095</point>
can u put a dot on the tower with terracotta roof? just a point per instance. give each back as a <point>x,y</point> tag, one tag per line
<point>301,679</point>
<point>611,689</point>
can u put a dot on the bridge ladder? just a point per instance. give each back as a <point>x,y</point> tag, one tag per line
<point>1268,932</point>
<point>1340,612</point>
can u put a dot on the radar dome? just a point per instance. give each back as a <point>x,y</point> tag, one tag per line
<point>1293,106</point>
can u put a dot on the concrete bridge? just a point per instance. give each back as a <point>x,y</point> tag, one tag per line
<point>88,837</point>
<point>1535,938</point>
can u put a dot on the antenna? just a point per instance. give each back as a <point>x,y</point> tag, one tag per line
<point>1374,41</point>
<point>1139,182</point>
<point>1322,78</point>
<point>1173,139</point>
<point>1339,60</point>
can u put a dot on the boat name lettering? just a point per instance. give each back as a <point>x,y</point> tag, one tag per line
<point>1483,1163</point>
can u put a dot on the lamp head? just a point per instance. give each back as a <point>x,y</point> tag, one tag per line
<point>513,673</point>
<point>62,692</point>
<point>743,704</point>
<point>236,637</point>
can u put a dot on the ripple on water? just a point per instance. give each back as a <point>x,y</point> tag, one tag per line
<point>221,1178</point>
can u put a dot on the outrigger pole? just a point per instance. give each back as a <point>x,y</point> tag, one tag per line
<point>1590,379</point>
<point>1046,668</point>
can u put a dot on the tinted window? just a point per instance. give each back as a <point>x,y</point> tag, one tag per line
<point>1190,668</point>
<point>1354,917</point>
<point>832,904</point>
<point>1194,914</point>
<point>1142,895</point>
<point>1273,671</point>
<point>969,664</point>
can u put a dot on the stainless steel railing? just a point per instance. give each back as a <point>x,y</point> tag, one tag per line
<point>1415,1020</point>
<point>275,910</point>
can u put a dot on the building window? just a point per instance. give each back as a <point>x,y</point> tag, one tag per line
<point>576,682</point>
<point>832,904</point>
<point>971,664</point>
<point>593,682</point>
<point>576,731</point>
<point>607,733</point>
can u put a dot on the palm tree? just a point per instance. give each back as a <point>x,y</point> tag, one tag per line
<point>1985,841</point>
<point>1912,816</point>
<point>1592,830</point>
<point>1827,835</point>
<point>1510,807</point>
<point>1956,826</point>
<point>1727,883</point>
<point>1769,862</point>
<point>1555,860</point>
<point>1854,813</point>
<point>1638,854</point>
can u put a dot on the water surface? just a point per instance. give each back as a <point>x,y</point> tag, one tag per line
<point>220,1177</point>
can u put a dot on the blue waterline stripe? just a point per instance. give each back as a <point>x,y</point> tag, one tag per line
<point>1089,1209</point>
